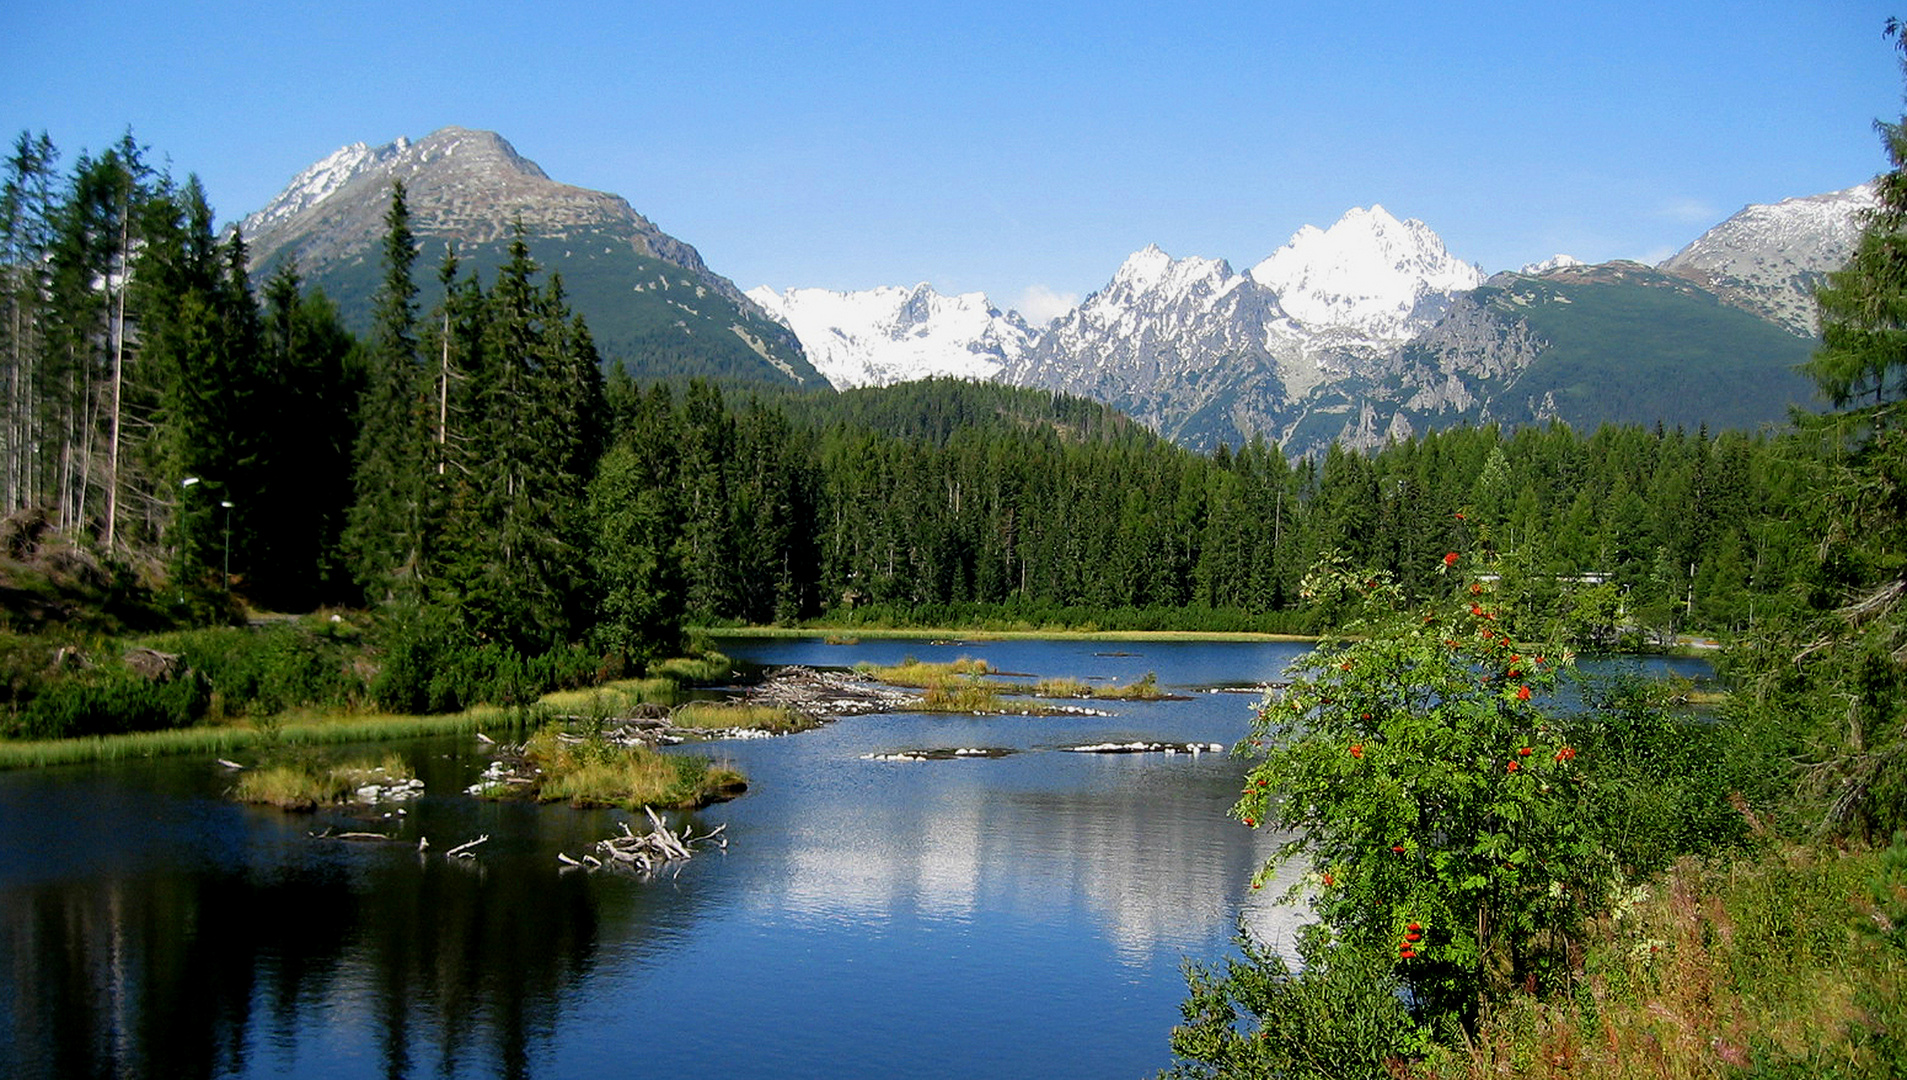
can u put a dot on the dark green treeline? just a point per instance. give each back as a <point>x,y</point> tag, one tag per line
<point>953,501</point>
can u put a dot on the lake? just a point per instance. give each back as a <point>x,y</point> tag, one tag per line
<point>1005,916</point>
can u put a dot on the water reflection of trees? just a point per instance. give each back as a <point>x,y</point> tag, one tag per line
<point>163,974</point>
<point>1146,846</point>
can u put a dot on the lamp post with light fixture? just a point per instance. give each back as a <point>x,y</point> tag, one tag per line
<point>226,504</point>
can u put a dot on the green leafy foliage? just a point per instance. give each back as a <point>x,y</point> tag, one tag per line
<point>1440,806</point>
<point>1340,1016</point>
<point>1461,823</point>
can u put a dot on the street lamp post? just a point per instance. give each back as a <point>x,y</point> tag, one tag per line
<point>226,505</point>
<point>227,570</point>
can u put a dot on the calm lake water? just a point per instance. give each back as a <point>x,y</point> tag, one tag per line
<point>978,917</point>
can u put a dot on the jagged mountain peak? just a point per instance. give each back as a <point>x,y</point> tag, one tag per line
<point>1554,262</point>
<point>1150,272</point>
<point>1369,273</point>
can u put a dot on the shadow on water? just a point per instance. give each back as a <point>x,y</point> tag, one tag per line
<point>994,916</point>
<point>289,954</point>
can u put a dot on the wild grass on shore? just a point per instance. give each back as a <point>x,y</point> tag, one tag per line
<point>1792,964</point>
<point>223,741</point>
<point>308,726</point>
<point>922,674</point>
<point>1146,689</point>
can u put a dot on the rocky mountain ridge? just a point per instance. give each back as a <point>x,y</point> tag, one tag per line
<point>649,298</point>
<point>1372,329</point>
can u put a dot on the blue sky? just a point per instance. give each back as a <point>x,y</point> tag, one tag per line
<point>1008,148</point>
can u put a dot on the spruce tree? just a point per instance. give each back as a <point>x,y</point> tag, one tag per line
<point>383,537</point>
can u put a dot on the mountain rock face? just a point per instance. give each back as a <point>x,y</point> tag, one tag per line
<point>1205,355</point>
<point>648,297</point>
<point>1767,259</point>
<point>877,337</point>
<point>1370,277</point>
<point>1372,330</point>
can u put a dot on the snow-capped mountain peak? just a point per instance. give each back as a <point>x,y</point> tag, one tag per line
<point>325,176</point>
<point>890,334</point>
<point>1369,273</point>
<point>1151,276</point>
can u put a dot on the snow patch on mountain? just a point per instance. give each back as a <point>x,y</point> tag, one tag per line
<point>1554,262</point>
<point>876,337</point>
<point>1768,258</point>
<point>1382,279</point>
<point>313,185</point>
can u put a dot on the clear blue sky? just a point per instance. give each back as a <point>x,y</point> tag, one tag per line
<point>1007,147</point>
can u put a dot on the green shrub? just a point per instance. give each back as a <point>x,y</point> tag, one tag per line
<point>110,702</point>
<point>432,665</point>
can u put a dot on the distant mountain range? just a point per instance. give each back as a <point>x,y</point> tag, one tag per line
<point>1371,329</point>
<point>1366,330</point>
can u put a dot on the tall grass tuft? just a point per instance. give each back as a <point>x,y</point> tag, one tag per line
<point>713,715</point>
<point>595,772</point>
<point>923,674</point>
<point>306,785</point>
<point>709,667</point>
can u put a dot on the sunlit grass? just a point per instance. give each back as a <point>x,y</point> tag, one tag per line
<point>1756,967</point>
<point>689,670</point>
<point>307,785</point>
<point>307,726</point>
<point>710,715</point>
<point>961,695</point>
<point>1146,689</point>
<point>224,741</point>
<point>922,674</point>
<point>595,772</point>
<point>613,700</point>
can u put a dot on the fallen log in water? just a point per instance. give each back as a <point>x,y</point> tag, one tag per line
<point>645,853</point>
<point>327,834</point>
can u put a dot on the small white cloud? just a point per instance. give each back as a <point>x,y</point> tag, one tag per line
<point>1039,305</point>
<point>1690,210</point>
<point>1657,255</point>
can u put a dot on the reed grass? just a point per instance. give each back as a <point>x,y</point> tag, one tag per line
<point>1146,689</point>
<point>713,715</point>
<point>611,700</point>
<point>709,667</point>
<point>923,674</point>
<point>961,695</point>
<point>307,726</point>
<point>305,785</point>
<point>594,772</point>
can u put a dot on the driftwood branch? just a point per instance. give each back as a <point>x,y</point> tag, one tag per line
<point>645,853</point>
<point>462,851</point>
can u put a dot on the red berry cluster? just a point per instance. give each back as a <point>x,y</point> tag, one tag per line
<point>1407,948</point>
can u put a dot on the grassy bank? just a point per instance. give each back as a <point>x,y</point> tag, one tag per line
<point>306,785</point>
<point>318,726</point>
<point>849,633</point>
<point>728,716</point>
<point>223,741</point>
<point>1789,964</point>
